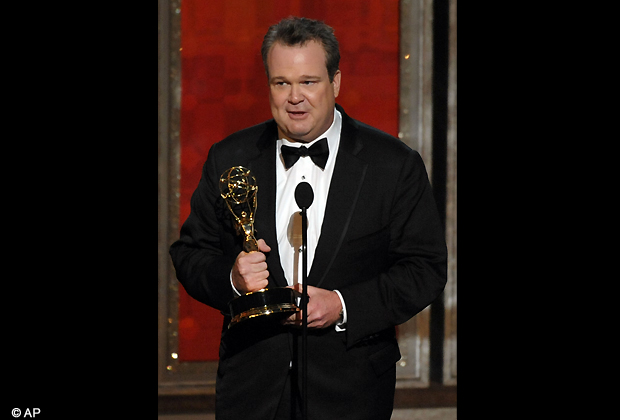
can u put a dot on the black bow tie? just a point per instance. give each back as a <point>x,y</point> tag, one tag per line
<point>318,152</point>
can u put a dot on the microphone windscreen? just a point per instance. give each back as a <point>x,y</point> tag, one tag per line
<point>304,196</point>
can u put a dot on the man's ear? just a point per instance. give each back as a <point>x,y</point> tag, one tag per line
<point>336,83</point>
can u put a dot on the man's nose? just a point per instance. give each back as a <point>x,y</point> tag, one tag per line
<point>296,94</point>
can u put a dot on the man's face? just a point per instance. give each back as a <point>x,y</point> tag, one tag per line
<point>301,97</point>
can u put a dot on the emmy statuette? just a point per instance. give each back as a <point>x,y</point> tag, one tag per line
<point>238,188</point>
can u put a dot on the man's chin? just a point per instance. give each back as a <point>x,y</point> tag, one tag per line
<point>302,136</point>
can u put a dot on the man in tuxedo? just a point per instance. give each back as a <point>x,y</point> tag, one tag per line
<point>376,249</point>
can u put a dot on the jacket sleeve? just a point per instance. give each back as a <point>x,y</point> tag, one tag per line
<point>202,266</point>
<point>416,272</point>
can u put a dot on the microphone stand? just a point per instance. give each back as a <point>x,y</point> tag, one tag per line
<point>304,320</point>
<point>304,197</point>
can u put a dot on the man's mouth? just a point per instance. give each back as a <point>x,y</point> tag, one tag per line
<point>297,114</point>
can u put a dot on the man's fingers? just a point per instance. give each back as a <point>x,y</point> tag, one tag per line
<point>262,246</point>
<point>294,320</point>
<point>250,271</point>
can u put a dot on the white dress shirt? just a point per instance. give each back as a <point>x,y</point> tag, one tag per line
<point>288,214</point>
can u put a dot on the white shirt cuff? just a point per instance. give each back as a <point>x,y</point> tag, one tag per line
<point>341,326</point>
<point>233,286</point>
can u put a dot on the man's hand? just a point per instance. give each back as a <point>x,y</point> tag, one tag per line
<point>324,308</point>
<point>249,273</point>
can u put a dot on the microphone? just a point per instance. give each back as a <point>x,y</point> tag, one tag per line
<point>304,196</point>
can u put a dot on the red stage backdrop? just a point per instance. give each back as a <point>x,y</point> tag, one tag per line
<point>224,89</point>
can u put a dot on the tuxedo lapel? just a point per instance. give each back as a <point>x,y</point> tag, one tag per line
<point>342,198</point>
<point>263,167</point>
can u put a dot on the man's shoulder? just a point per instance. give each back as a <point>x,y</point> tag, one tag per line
<point>244,145</point>
<point>379,142</point>
<point>249,134</point>
<point>373,133</point>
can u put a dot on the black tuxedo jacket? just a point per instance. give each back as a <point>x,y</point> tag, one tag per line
<point>381,245</point>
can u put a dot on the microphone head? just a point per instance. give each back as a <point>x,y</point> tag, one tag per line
<point>304,196</point>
